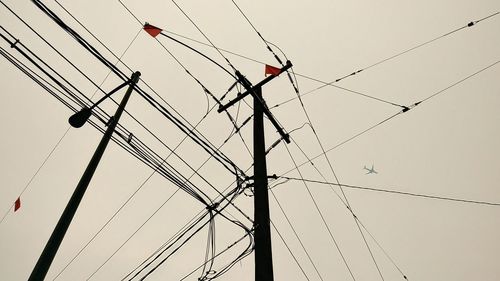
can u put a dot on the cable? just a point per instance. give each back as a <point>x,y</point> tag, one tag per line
<point>458,82</point>
<point>397,192</point>
<point>204,143</point>
<point>217,255</point>
<point>301,75</point>
<point>224,197</point>
<point>296,234</point>
<point>470,24</point>
<point>385,120</point>
<point>337,180</point>
<point>338,87</point>
<point>289,250</point>
<point>322,217</point>
<point>154,268</point>
<point>202,33</point>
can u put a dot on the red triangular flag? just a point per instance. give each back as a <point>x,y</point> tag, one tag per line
<point>152,30</point>
<point>272,70</point>
<point>17,204</point>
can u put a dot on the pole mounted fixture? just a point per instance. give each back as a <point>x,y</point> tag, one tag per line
<point>77,120</point>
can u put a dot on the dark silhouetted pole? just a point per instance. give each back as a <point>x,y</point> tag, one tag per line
<point>262,233</point>
<point>263,250</point>
<point>43,264</point>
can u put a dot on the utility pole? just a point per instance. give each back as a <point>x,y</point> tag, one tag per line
<point>263,249</point>
<point>262,232</point>
<point>43,264</point>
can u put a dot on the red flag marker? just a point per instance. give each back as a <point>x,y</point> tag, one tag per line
<point>152,30</point>
<point>17,204</point>
<point>271,70</point>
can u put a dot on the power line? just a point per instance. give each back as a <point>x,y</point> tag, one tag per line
<point>338,87</point>
<point>392,116</point>
<point>297,74</point>
<point>358,220</point>
<point>143,156</point>
<point>296,234</point>
<point>322,217</point>
<point>217,255</point>
<point>372,127</point>
<point>332,83</point>
<point>337,180</point>
<point>458,82</point>
<point>470,24</point>
<point>345,201</point>
<point>210,210</point>
<point>224,197</point>
<point>267,43</point>
<point>204,35</point>
<point>192,133</point>
<point>396,192</point>
<point>289,250</point>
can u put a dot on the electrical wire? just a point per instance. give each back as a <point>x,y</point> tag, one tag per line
<point>332,83</point>
<point>296,234</point>
<point>290,250</point>
<point>217,255</point>
<point>204,35</point>
<point>412,194</point>
<point>470,24</point>
<point>337,180</point>
<point>194,134</point>
<point>322,217</point>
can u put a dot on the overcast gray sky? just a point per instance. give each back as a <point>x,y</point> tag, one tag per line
<point>447,146</point>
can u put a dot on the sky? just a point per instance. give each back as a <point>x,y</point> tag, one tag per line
<point>416,55</point>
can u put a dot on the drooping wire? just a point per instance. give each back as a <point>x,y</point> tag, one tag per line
<point>160,253</point>
<point>235,192</point>
<point>217,255</point>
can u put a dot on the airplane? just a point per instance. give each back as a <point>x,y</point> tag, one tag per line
<point>370,171</point>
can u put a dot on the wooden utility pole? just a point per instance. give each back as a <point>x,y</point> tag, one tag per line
<point>43,264</point>
<point>262,232</point>
<point>263,249</point>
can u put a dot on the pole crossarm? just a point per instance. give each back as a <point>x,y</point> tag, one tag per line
<point>250,89</point>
